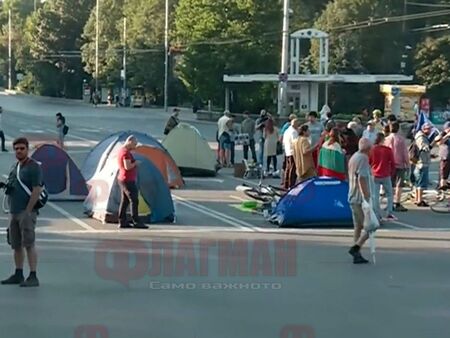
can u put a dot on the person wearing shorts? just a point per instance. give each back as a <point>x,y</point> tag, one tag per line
<point>21,231</point>
<point>360,178</point>
<point>423,165</point>
<point>397,143</point>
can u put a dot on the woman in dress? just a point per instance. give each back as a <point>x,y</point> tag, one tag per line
<point>270,144</point>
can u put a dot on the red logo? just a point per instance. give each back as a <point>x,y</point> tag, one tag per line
<point>131,260</point>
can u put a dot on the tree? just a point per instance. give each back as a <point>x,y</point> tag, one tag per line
<point>433,66</point>
<point>52,40</point>
<point>227,37</point>
<point>145,44</point>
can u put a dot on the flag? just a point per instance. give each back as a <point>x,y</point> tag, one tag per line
<point>332,161</point>
<point>421,121</point>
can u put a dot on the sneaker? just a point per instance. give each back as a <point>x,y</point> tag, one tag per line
<point>390,218</point>
<point>13,280</point>
<point>423,204</point>
<point>400,208</point>
<point>139,225</point>
<point>358,259</point>
<point>30,282</point>
<point>353,251</point>
<point>125,226</point>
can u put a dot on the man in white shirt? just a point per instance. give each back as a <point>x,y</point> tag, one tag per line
<point>290,135</point>
<point>2,135</point>
<point>221,128</point>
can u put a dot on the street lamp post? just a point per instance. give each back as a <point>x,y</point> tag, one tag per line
<point>166,59</point>
<point>124,60</point>
<point>282,99</point>
<point>97,33</point>
<point>9,51</point>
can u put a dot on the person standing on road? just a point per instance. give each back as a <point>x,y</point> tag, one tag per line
<point>270,144</point>
<point>223,138</point>
<point>303,155</point>
<point>61,128</point>
<point>397,143</point>
<point>444,153</point>
<point>248,127</point>
<point>370,133</point>
<point>2,135</point>
<point>359,190</point>
<point>260,125</point>
<point>382,161</point>
<point>127,179</point>
<point>172,122</point>
<point>23,213</point>
<point>422,168</point>
<point>289,137</point>
<point>315,130</point>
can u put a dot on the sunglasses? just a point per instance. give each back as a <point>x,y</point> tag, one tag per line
<point>19,148</point>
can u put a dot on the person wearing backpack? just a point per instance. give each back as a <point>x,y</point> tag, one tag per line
<point>24,191</point>
<point>420,152</point>
<point>62,129</point>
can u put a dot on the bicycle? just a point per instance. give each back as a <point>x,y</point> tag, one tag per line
<point>442,202</point>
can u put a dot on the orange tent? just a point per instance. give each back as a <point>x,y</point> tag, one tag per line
<point>165,164</point>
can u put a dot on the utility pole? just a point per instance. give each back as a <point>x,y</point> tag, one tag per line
<point>9,51</point>
<point>282,99</point>
<point>97,33</point>
<point>124,60</point>
<point>166,60</point>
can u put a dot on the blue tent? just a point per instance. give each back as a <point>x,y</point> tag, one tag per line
<point>155,200</point>
<point>62,178</point>
<point>97,157</point>
<point>317,202</point>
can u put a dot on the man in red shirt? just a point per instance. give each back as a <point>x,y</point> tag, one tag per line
<point>127,182</point>
<point>382,161</point>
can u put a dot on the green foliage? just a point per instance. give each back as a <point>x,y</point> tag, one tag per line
<point>228,37</point>
<point>433,65</point>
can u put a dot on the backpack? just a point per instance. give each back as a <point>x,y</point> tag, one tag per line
<point>65,130</point>
<point>414,153</point>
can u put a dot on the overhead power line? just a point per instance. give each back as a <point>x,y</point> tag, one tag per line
<point>421,4</point>
<point>385,20</point>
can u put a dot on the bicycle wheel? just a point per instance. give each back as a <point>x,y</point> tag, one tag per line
<point>280,192</point>
<point>258,195</point>
<point>442,207</point>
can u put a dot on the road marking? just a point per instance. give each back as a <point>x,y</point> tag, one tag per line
<point>92,142</point>
<point>215,214</point>
<point>201,179</point>
<point>238,198</point>
<point>68,215</point>
<point>71,217</point>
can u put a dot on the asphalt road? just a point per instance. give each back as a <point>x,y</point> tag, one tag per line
<point>172,280</point>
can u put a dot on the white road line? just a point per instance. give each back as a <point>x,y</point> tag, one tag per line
<point>215,214</point>
<point>69,216</point>
<point>201,179</point>
<point>92,142</point>
<point>72,218</point>
<point>238,198</point>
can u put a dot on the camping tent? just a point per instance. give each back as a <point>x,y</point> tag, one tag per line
<point>165,164</point>
<point>190,151</point>
<point>319,201</point>
<point>98,156</point>
<point>155,200</point>
<point>62,177</point>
